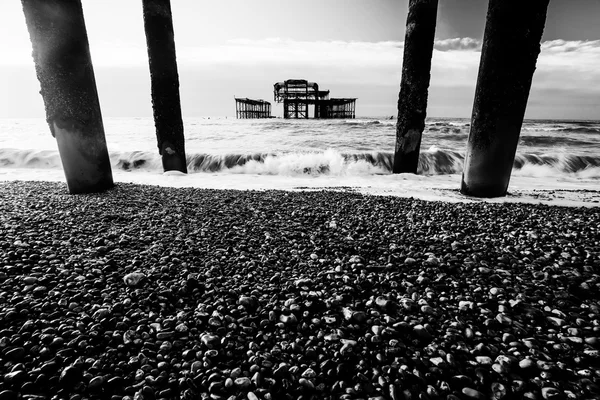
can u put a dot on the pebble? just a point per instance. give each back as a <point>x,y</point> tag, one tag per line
<point>551,393</point>
<point>526,363</point>
<point>133,279</point>
<point>15,354</point>
<point>15,378</point>
<point>248,302</point>
<point>556,321</point>
<point>498,391</point>
<point>288,319</point>
<point>442,314</point>
<point>382,302</point>
<point>243,383</point>
<point>8,395</point>
<point>70,376</point>
<point>422,332</point>
<point>307,384</point>
<point>309,373</point>
<point>30,280</point>
<point>465,305</point>
<point>96,383</point>
<point>473,394</point>
<point>211,341</point>
<point>484,360</point>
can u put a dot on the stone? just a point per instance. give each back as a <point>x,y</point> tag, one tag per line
<point>70,376</point>
<point>422,332</point>
<point>210,340</point>
<point>8,395</point>
<point>243,382</point>
<point>498,391</point>
<point>309,373</point>
<point>549,393</point>
<point>473,394</point>
<point>526,363</point>
<point>15,354</point>
<point>134,279</point>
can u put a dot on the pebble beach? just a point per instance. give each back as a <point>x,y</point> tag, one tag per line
<point>147,292</point>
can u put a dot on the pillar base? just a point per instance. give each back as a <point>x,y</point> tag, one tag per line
<point>483,190</point>
<point>84,158</point>
<point>172,160</point>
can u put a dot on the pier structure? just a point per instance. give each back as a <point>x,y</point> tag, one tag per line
<point>297,94</point>
<point>416,70</point>
<point>164,78</point>
<point>344,108</point>
<point>64,69</point>
<point>250,108</point>
<point>511,45</point>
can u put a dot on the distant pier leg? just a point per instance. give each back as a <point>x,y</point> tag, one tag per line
<point>158,24</point>
<point>511,45</point>
<point>64,68</point>
<point>416,67</point>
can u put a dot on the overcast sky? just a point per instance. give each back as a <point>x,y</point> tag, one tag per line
<point>240,48</point>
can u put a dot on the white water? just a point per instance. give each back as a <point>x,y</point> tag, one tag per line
<point>560,159</point>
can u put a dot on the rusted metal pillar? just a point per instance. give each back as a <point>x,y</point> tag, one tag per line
<point>511,45</point>
<point>158,24</point>
<point>64,68</point>
<point>416,67</point>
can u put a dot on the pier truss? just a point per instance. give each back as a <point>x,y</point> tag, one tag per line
<point>248,108</point>
<point>297,94</point>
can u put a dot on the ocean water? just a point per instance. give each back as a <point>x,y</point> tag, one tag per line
<point>288,154</point>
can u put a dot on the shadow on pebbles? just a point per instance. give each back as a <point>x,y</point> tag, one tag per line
<point>155,293</point>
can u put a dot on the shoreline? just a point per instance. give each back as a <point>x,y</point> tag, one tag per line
<point>284,294</point>
<point>444,188</point>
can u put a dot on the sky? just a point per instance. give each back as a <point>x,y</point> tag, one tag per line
<point>240,48</point>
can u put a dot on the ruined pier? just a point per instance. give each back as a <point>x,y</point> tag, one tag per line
<point>252,109</point>
<point>298,94</point>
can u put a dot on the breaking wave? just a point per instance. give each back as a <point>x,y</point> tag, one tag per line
<point>433,161</point>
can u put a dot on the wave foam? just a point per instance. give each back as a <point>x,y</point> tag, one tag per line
<point>434,161</point>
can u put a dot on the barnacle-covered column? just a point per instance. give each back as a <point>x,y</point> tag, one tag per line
<point>511,45</point>
<point>64,68</point>
<point>416,68</point>
<point>166,105</point>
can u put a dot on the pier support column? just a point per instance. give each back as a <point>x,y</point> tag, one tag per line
<point>416,68</point>
<point>64,68</point>
<point>511,45</point>
<point>158,24</point>
<point>286,111</point>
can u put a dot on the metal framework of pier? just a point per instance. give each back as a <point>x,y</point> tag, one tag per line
<point>297,94</point>
<point>249,108</point>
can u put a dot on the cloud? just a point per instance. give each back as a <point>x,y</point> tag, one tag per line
<point>567,67</point>
<point>457,44</point>
<point>563,46</point>
<point>571,65</point>
<point>281,51</point>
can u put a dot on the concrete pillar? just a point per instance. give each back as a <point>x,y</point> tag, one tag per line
<point>64,68</point>
<point>158,24</point>
<point>511,45</point>
<point>416,67</point>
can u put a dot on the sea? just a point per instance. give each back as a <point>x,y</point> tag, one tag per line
<point>353,154</point>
